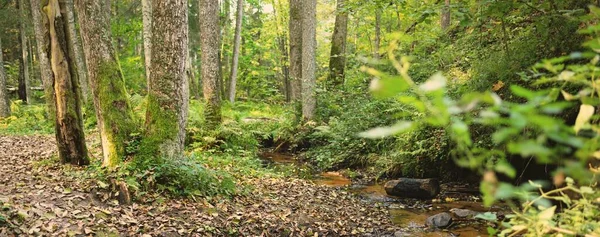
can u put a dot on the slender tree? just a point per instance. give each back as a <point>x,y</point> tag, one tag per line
<point>236,50</point>
<point>445,18</point>
<point>209,30</point>
<point>41,32</point>
<point>4,103</point>
<point>113,112</point>
<point>147,36</point>
<point>76,53</point>
<point>168,96</point>
<point>309,65</point>
<point>377,42</point>
<point>69,122</point>
<point>24,78</point>
<point>295,29</point>
<point>337,60</point>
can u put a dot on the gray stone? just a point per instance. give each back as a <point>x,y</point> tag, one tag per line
<point>463,213</point>
<point>441,220</point>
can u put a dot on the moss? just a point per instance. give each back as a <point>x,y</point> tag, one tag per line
<point>115,112</point>
<point>162,128</point>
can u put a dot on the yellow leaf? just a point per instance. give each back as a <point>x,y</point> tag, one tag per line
<point>585,114</point>
<point>547,214</point>
<point>568,96</point>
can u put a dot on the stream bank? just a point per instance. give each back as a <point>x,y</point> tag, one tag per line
<point>410,215</point>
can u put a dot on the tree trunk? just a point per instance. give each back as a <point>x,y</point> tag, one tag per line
<point>147,36</point>
<point>69,122</point>
<point>295,28</point>
<point>24,87</point>
<point>114,114</point>
<point>283,47</point>
<point>209,30</point>
<point>194,89</point>
<point>236,49</point>
<point>224,62</point>
<point>168,97</point>
<point>377,34</point>
<point>337,60</point>
<point>445,17</point>
<point>40,28</point>
<point>77,52</point>
<point>309,46</point>
<point>4,103</point>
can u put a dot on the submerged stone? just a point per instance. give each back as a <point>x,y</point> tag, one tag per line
<point>441,220</point>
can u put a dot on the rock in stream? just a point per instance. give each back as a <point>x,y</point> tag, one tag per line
<point>413,188</point>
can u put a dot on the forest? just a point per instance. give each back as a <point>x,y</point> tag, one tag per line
<point>300,118</point>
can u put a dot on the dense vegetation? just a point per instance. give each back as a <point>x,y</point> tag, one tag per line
<point>502,92</point>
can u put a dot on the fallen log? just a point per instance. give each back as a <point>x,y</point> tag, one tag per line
<point>413,188</point>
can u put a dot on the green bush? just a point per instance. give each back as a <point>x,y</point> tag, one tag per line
<point>26,119</point>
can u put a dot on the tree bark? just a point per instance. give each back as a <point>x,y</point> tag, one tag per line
<point>209,30</point>
<point>445,17</point>
<point>113,112</point>
<point>236,50</point>
<point>295,28</point>
<point>77,52</point>
<point>168,97</point>
<point>309,46</point>
<point>377,34</point>
<point>147,36</point>
<point>4,102</point>
<point>24,78</point>
<point>283,47</point>
<point>337,60</point>
<point>40,28</point>
<point>69,122</point>
<point>194,88</point>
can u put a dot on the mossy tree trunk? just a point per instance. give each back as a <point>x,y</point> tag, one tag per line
<point>4,103</point>
<point>337,60</point>
<point>236,50</point>
<point>24,78</point>
<point>69,122</point>
<point>309,65</point>
<point>114,114</point>
<point>295,29</point>
<point>43,48</point>
<point>209,31</point>
<point>168,97</point>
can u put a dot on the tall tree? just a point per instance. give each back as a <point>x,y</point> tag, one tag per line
<point>69,121</point>
<point>209,31</point>
<point>168,97</point>
<point>4,103</point>
<point>40,29</point>
<point>377,42</point>
<point>236,50</point>
<point>147,36</point>
<point>295,29</point>
<point>445,18</point>
<point>24,78</point>
<point>337,60</point>
<point>309,65</point>
<point>113,112</point>
<point>76,52</point>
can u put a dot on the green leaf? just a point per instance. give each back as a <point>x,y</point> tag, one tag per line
<point>506,168</point>
<point>547,214</point>
<point>488,216</point>
<point>436,82</point>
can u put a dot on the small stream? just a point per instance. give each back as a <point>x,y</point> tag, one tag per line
<point>408,214</point>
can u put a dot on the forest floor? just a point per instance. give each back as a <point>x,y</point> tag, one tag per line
<point>40,197</point>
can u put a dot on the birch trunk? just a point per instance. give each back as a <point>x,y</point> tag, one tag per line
<point>4,103</point>
<point>309,46</point>
<point>236,50</point>
<point>111,101</point>
<point>69,122</point>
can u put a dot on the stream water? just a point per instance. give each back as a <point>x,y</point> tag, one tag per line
<point>409,214</point>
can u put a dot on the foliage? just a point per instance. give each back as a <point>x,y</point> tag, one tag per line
<point>30,119</point>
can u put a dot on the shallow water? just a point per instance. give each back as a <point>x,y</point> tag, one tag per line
<point>409,217</point>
